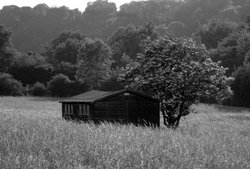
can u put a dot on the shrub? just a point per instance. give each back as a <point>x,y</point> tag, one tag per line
<point>38,89</point>
<point>59,85</point>
<point>10,86</point>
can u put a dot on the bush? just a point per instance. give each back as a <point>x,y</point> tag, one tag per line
<point>10,86</point>
<point>30,69</point>
<point>59,85</point>
<point>38,89</point>
<point>241,86</point>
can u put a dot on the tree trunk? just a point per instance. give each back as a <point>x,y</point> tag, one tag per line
<point>172,116</point>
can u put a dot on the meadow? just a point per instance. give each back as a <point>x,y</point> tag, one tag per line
<point>33,135</point>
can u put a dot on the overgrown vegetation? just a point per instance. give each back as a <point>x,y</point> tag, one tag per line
<point>9,85</point>
<point>38,89</point>
<point>34,136</point>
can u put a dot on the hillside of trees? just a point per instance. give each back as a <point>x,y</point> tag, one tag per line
<point>33,27</point>
<point>44,48</point>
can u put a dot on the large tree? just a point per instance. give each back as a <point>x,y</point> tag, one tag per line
<point>6,49</point>
<point>127,42</point>
<point>94,62</point>
<point>232,50</point>
<point>179,72</point>
<point>64,47</point>
<point>62,52</point>
<point>215,31</point>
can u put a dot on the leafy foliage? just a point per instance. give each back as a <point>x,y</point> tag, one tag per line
<point>59,85</point>
<point>64,47</point>
<point>6,49</point>
<point>232,50</point>
<point>10,86</point>
<point>215,31</point>
<point>34,27</point>
<point>38,89</point>
<point>128,41</point>
<point>113,83</point>
<point>30,68</point>
<point>62,52</point>
<point>94,62</point>
<point>100,7</point>
<point>179,72</point>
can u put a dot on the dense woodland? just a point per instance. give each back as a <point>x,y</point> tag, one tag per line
<point>61,52</point>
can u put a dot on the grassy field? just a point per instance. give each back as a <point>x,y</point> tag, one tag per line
<point>33,135</point>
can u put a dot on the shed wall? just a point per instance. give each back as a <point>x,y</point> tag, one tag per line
<point>123,108</point>
<point>143,111</point>
<point>128,109</point>
<point>110,109</point>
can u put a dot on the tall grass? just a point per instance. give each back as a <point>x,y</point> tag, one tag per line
<point>33,135</point>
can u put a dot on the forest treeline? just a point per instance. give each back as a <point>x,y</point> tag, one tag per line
<point>34,27</point>
<point>66,51</point>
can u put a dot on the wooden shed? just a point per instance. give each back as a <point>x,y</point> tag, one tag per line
<point>124,106</point>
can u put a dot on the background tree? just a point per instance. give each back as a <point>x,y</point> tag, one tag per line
<point>64,47</point>
<point>10,86</point>
<point>38,89</point>
<point>127,41</point>
<point>59,85</point>
<point>215,31</point>
<point>232,50</point>
<point>62,52</point>
<point>94,62</point>
<point>6,49</point>
<point>179,72</point>
<point>113,83</point>
<point>96,18</point>
<point>34,27</point>
<point>30,68</point>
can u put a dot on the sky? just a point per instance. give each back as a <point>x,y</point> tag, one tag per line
<point>72,4</point>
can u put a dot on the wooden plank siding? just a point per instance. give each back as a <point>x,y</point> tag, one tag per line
<point>142,111</point>
<point>111,109</point>
<point>119,106</point>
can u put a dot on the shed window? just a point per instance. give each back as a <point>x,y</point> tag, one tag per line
<point>68,109</point>
<point>83,109</point>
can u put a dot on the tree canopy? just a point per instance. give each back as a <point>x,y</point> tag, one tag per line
<point>6,49</point>
<point>94,62</point>
<point>215,31</point>
<point>180,72</point>
<point>128,41</point>
<point>34,27</point>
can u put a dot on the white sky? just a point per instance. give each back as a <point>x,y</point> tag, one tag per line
<point>72,4</point>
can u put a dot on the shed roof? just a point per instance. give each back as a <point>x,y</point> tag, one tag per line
<point>93,96</point>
